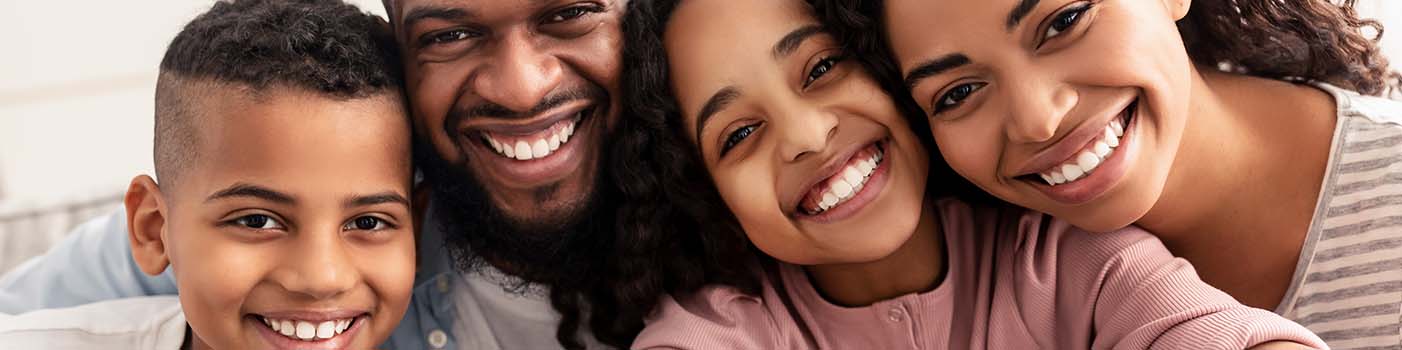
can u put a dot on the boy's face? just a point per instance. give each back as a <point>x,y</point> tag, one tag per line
<point>292,228</point>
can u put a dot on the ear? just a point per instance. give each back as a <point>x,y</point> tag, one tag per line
<point>146,218</point>
<point>1177,8</point>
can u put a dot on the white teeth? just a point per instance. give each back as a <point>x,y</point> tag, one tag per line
<point>1101,149</point>
<point>523,150</point>
<point>305,330</point>
<point>308,331</point>
<point>527,149</point>
<point>326,330</point>
<point>847,183</point>
<point>1072,172</point>
<point>1087,160</point>
<point>540,149</point>
<point>1110,138</point>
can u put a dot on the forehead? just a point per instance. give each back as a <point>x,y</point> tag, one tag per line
<point>509,9</point>
<point>712,43</point>
<point>286,132</point>
<point>917,27</point>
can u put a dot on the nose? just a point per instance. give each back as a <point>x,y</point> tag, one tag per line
<point>517,76</point>
<point>318,267</point>
<point>1037,109</point>
<point>804,130</point>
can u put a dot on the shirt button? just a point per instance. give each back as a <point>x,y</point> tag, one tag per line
<point>437,339</point>
<point>895,315</point>
<point>442,285</point>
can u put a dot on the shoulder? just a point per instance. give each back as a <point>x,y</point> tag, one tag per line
<point>134,323</point>
<point>1374,109</point>
<point>715,317</point>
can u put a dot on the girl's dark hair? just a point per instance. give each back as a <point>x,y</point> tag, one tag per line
<point>1296,40</point>
<point>674,234</point>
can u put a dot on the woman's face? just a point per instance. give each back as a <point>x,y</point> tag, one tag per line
<point>1074,108</point>
<point>813,158</point>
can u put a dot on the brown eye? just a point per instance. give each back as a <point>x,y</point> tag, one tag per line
<point>824,66</point>
<point>1065,20</point>
<point>572,21</point>
<point>258,222</point>
<point>366,223</point>
<point>736,136</point>
<point>956,96</point>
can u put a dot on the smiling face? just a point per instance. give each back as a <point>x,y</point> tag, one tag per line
<point>291,229</point>
<point>1074,108</point>
<point>518,93</point>
<point>813,158</point>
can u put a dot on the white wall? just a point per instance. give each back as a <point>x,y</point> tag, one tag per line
<point>76,83</point>
<point>76,87</point>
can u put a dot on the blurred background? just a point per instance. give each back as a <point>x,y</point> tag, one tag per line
<point>76,87</point>
<point>77,82</point>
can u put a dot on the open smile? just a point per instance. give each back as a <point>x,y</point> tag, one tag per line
<point>848,186</point>
<point>1077,175</point>
<point>310,330</point>
<point>532,153</point>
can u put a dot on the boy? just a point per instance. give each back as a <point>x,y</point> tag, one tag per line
<point>282,146</point>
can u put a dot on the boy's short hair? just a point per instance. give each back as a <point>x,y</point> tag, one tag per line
<point>252,46</point>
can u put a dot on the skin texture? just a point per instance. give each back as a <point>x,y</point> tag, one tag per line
<point>341,241</point>
<point>804,114</point>
<point>1224,168</point>
<point>506,67</point>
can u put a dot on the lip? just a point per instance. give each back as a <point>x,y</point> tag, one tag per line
<point>1106,175</point>
<point>340,341</point>
<point>527,174</point>
<point>874,184</point>
<point>469,127</point>
<point>1072,143</point>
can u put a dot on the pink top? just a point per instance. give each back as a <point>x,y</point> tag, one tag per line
<point>1008,287</point>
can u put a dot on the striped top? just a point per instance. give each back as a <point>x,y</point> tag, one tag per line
<point>1348,282</point>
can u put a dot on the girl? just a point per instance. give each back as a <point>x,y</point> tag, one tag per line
<point>1231,129</point>
<point>826,179</point>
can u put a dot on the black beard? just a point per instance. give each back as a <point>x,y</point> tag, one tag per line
<point>477,233</point>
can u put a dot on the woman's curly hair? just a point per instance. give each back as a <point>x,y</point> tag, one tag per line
<point>1295,40</point>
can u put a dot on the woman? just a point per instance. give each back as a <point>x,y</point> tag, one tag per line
<point>827,180</point>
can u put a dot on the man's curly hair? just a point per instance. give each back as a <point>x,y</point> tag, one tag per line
<point>324,46</point>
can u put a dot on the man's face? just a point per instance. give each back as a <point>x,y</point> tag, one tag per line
<point>518,93</point>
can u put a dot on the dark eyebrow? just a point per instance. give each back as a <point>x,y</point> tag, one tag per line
<point>253,191</point>
<point>934,67</point>
<point>421,13</point>
<point>716,103</point>
<point>789,42</point>
<point>378,198</point>
<point>1023,8</point>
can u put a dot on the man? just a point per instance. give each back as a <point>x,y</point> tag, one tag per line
<point>512,103</point>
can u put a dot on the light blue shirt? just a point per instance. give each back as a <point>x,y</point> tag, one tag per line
<point>449,310</point>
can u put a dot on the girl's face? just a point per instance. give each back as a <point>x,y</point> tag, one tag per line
<point>1074,108</point>
<point>813,158</point>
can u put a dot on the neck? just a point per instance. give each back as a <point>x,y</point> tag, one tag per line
<point>917,266</point>
<point>1243,186</point>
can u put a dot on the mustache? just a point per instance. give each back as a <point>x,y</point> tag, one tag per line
<point>492,110</point>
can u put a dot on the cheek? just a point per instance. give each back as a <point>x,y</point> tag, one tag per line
<point>750,195</point>
<point>388,269</point>
<point>215,277</point>
<point>971,147</point>
<point>433,91</point>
